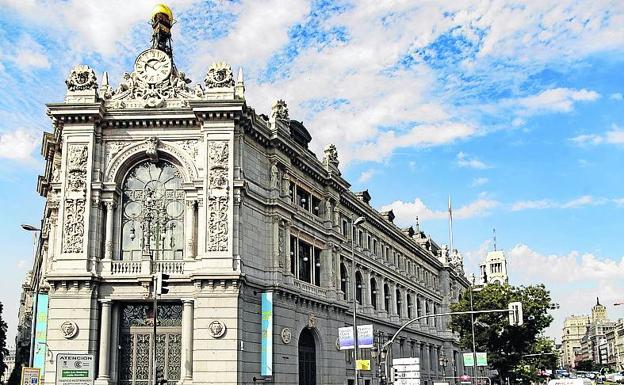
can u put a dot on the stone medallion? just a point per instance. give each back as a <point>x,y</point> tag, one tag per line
<point>69,329</point>
<point>286,335</point>
<point>217,329</point>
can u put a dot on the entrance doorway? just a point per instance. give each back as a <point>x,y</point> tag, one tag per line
<point>135,342</point>
<point>307,358</point>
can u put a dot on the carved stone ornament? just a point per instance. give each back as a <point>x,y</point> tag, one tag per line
<point>81,77</point>
<point>331,156</point>
<point>279,111</point>
<point>286,335</point>
<point>69,329</point>
<point>218,223</point>
<point>218,153</point>
<point>74,209</point>
<point>217,329</point>
<point>311,321</point>
<point>152,149</point>
<point>219,76</point>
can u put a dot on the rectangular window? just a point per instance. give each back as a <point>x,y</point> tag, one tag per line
<point>368,243</point>
<point>345,228</point>
<point>316,206</point>
<point>317,266</point>
<point>305,255</point>
<point>293,254</point>
<point>303,199</point>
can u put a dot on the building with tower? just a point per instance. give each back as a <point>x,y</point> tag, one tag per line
<point>259,237</point>
<point>574,328</point>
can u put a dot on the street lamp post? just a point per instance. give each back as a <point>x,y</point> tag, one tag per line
<point>356,222</point>
<point>474,345</point>
<point>37,270</point>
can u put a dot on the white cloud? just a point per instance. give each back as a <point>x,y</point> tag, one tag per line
<point>480,181</point>
<point>551,100</point>
<point>467,161</point>
<point>619,202</point>
<point>18,145</point>
<point>575,280</point>
<point>405,212</point>
<point>365,176</point>
<point>614,136</point>
<point>585,200</point>
<point>616,96</point>
<point>533,204</point>
<point>27,54</point>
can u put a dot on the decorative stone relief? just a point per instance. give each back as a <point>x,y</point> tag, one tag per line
<point>275,181</point>
<point>285,184</point>
<point>281,246</point>
<point>152,149</point>
<point>217,223</point>
<point>69,329</point>
<point>331,156</point>
<point>133,91</point>
<point>279,111</point>
<point>311,321</point>
<point>219,76</point>
<point>191,147</point>
<point>81,78</point>
<point>217,329</point>
<point>112,148</point>
<point>75,199</point>
<point>218,152</point>
<point>286,335</point>
<point>74,225</point>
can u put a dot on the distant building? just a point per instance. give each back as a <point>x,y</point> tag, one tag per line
<point>599,312</point>
<point>574,328</point>
<point>615,346</point>
<point>9,361</point>
<point>494,269</point>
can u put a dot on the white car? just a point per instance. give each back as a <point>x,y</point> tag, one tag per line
<point>571,381</point>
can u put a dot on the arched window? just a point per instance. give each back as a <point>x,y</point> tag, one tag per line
<point>386,293</point>
<point>398,301</point>
<point>373,293</point>
<point>358,287</point>
<point>153,212</point>
<point>343,280</point>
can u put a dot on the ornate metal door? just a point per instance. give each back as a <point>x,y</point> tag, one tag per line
<point>135,358</point>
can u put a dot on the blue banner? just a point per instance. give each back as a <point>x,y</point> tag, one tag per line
<point>266,359</point>
<point>41,331</point>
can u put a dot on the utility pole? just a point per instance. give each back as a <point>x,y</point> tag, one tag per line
<point>472,325</point>
<point>354,295</point>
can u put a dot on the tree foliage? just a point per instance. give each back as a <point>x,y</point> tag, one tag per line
<point>506,345</point>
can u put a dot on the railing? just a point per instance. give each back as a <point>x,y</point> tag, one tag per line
<point>136,267</point>
<point>168,267</point>
<point>125,267</point>
<point>310,289</point>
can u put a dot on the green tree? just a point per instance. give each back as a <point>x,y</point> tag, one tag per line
<point>3,349</point>
<point>506,345</point>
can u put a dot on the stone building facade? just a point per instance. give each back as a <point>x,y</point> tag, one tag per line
<point>574,328</point>
<point>158,175</point>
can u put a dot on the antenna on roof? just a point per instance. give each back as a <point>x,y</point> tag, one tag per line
<point>494,232</point>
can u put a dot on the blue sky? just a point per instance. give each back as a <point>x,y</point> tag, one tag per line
<point>514,108</point>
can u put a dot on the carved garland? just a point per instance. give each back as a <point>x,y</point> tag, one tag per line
<point>218,156</point>
<point>75,197</point>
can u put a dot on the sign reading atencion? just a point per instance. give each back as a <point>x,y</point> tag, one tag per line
<point>75,369</point>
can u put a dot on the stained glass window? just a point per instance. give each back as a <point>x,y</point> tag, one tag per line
<point>153,212</point>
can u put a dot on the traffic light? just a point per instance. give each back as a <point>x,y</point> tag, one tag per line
<point>515,314</point>
<point>162,283</point>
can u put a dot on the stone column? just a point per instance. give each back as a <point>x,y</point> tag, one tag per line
<point>189,227</point>
<point>187,341</point>
<point>366,294</point>
<point>105,334</point>
<point>108,243</point>
<point>404,304</point>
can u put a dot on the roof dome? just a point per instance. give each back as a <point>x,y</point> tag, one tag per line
<point>162,8</point>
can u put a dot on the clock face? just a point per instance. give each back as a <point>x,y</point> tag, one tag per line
<point>152,66</point>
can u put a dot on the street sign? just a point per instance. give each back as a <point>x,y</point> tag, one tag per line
<point>363,365</point>
<point>345,338</point>
<point>75,369</point>
<point>406,361</point>
<point>406,371</point>
<point>30,376</point>
<point>481,359</point>
<point>365,336</point>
